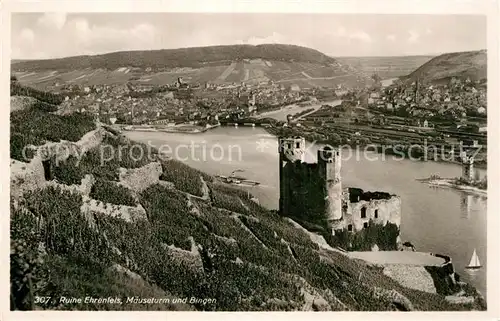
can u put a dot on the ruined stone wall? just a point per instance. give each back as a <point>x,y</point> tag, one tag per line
<point>60,151</point>
<point>139,179</point>
<point>83,189</point>
<point>371,232</point>
<point>28,176</point>
<point>388,211</point>
<point>126,213</point>
<point>191,259</point>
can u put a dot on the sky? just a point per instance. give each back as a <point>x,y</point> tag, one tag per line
<point>54,35</point>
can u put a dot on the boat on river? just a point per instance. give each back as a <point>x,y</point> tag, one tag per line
<point>236,180</point>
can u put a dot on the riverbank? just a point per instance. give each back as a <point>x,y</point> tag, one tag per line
<point>410,154</point>
<point>451,183</point>
<point>178,129</point>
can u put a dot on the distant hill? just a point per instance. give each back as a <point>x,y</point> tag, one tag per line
<point>470,64</point>
<point>288,64</point>
<point>183,57</point>
<point>385,67</point>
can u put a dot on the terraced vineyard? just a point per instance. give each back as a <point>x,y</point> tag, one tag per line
<point>195,239</point>
<point>291,65</point>
<point>304,75</point>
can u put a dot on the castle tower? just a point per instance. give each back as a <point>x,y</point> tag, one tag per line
<point>467,167</point>
<point>329,164</point>
<point>467,153</point>
<point>291,149</point>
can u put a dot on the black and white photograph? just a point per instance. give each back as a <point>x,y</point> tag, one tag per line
<point>250,161</point>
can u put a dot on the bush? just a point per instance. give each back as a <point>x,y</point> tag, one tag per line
<point>65,231</point>
<point>110,192</point>
<point>105,166</point>
<point>45,97</point>
<point>442,281</point>
<point>18,142</point>
<point>220,223</point>
<point>231,197</point>
<point>288,232</point>
<point>71,171</point>
<point>57,225</point>
<point>245,287</point>
<point>228,202</point>
<point>68,172</point>
<point>383,236</point>
<point>167,211</point>
<point>46,107</point>
<point>28,273</point>
<point>266,235</point>
<point>35,127</point>
<point>185,178</point>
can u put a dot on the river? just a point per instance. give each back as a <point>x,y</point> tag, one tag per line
<point>438,220</point>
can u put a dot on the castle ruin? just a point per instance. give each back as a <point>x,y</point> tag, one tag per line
<point>312,193</point>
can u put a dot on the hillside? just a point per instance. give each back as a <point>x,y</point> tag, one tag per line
<point>463,65</point>
<point>183,57</point>
<point>150,227</point>
<point>385,67</point>
<point>217,64</point>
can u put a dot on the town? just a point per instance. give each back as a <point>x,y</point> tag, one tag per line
<point>402,113</point>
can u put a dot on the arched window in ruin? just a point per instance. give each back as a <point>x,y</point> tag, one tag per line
<point>376,213</point>
<point>363,212</point>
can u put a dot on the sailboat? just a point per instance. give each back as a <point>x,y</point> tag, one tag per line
<point>474,262</point>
